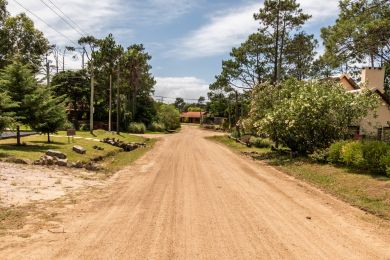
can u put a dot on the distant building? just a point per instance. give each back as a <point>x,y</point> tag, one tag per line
<point>192,117</point>
<point>376,123</point>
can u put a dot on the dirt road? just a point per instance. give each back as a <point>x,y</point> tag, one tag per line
<point>191,198</point>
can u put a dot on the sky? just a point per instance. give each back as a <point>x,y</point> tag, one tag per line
<point>188,39</point>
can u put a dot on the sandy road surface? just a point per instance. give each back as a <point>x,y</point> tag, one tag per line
<point>191,198</point>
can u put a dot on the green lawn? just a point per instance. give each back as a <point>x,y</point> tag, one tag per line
<point>368,192</point>
<point>36,145</point>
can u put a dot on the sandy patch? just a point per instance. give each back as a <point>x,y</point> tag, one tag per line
<point>22,184</point>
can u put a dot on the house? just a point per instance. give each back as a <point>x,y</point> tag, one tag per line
<point>192,117</point>
<point>376,123</point>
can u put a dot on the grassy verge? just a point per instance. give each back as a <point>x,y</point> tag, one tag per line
<point>123,159</point>
<point>35,146</point>
<point>368,192</point>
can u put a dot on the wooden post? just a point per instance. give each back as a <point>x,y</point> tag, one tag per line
<point>110,104</point>
<point>237,116</point>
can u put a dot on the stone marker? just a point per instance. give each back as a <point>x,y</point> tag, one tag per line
<point>62,162</point>
<point>56,154</point>
<point>80,150</point>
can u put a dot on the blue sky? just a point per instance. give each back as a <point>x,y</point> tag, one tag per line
<point>187,39</point>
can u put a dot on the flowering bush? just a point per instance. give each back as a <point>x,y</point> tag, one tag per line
<point>307,115</point>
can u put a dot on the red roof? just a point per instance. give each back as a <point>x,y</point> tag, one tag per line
<point>192,114</point>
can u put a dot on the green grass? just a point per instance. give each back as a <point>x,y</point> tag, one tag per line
<point>101,134</point>
<point>123,159</point>
<point>237,146</point>
<point>363,190</point>
<point>36,145</point>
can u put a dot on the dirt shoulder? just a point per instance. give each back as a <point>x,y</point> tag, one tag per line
<point>24,184</point>
<point>368,192</point>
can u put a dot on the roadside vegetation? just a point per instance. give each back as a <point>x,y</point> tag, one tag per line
<point>35,146</point>
<point>360,188</point>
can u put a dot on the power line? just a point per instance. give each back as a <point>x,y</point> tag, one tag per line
<point>173,98</point>
<point>70,19</point>
<point>43,21</point>
<point>63,19</point>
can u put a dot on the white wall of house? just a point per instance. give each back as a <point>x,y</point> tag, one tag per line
<point>373,79</point>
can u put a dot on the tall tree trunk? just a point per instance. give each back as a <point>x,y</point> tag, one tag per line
<point>281,49</point>
<point>237,116</point>
<point>110,105</point>
<point>117,102</point>
<point>18,135</point>
<point>91,112</point>
<point>276,48</point>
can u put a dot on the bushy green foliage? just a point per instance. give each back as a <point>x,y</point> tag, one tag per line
<point>137,128</point>
<point>334,154</point>
<point>307,115</point>
<point>320,156</point>
<point>385,163</point>
<point>373,156</point>
<point>374,153</point>
<point>157,127</point>
<point>352,154</point>
<point>84,127</point>
<point>48,115</point>
<point>260,142</point>
<point>169,116</point>
<point>6,117</point>
<point>194,109</point>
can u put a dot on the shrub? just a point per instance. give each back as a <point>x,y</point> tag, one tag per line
<point>137,128</point>
<point>320,156</point>
<point>169,116</point>
<point>157,127</point>
<point>385,164</point>
<point>373,152</point>
<point>352,154</point>
<point>84,127</point>
<point>306,115</point>
<point>260,142</point>
<point>334,154</point>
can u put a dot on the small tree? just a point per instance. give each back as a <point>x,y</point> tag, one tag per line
<point>49,112</point>
<point>169,116</point>
<point>18,81</point>
<point>305,116</point>
<point>6,117</point>
<point>180,104</point>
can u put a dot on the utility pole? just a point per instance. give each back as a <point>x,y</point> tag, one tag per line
<point>92,109</point>
<point>117,101</point>
<point>110,104</point>
<point>63,60</point>
<point>82,58</point>
<point>237,116</point>
<point>47,71</point>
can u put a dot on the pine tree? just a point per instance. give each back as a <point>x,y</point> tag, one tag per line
<point>278,18</point>
<point>18,81</point>
<point>6,117</point>
<point>49,112</point>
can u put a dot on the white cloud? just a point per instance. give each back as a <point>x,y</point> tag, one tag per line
<point>91,16</point>
<point>100,17</point>
<point>160,11</point>
<point>231,27</point>
<point>185,87</point>
<point>320,10</point>
<point>220,34</point>
<point>97,18</point>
